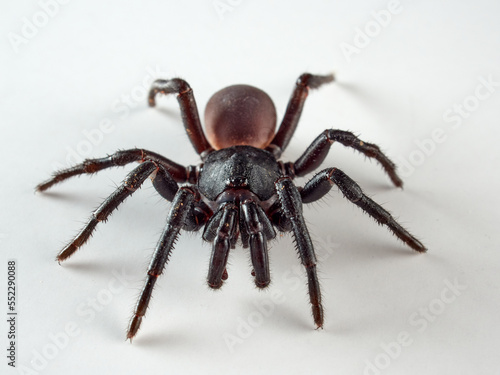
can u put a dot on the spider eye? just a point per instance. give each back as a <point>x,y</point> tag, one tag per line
<point>240,115</point>
<point>237,181</point>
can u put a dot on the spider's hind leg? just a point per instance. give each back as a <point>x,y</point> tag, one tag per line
<point>189,110</point>
<point>294,108</point>
<point>321,184</point>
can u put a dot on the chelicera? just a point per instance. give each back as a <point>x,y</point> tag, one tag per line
<point>241,190</point>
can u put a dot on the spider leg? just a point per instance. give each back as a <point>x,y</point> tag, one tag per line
<point>291,204</point>
<point>321,184</point>
<point>294,109</point>
<point>259,230</point>
<point>226,221</point>
<point>130,184</point>
<point>120,158</point>
<point>189,110</point>
<point>317,151</point>
<point>181,205</point>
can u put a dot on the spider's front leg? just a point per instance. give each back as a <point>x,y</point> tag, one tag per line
<point>291,205</point>
<point>321,184</point>
<point>182,205</point>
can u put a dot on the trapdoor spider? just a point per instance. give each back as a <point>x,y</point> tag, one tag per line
<point>241,190</point>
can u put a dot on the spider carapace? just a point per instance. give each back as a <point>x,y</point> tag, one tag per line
<point>241,190</point>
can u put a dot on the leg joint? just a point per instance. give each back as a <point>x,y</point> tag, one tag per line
<point>349,188</point>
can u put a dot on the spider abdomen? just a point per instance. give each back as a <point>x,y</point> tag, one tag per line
<point>244,167</point>
<point>240,115</point>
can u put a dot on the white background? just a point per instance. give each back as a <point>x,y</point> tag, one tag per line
<point>77,69</point>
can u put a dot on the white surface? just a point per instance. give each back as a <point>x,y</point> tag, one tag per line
<point>68,78</point>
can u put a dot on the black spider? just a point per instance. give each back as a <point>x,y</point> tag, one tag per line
<point>241,189</point>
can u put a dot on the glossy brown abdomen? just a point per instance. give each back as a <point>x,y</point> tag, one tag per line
<point>240,115</point>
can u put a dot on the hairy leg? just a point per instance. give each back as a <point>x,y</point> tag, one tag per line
<point>181,205</point>
<point>321,184</point>
<point>291,204</point>
<point>293,112</point>
<point>189,110</point>
<point>132,182</point>
<point>317,151</point>
<point>120,158</point>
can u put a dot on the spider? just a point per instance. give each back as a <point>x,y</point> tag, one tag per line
<point>241,190</point>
